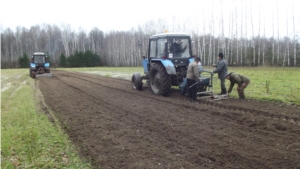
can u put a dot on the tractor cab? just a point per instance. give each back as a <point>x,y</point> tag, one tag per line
<point>170,46</point>
<point>39,59</point>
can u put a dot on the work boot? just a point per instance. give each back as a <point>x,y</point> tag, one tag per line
<point>241,96</point>
<point>224,91</point>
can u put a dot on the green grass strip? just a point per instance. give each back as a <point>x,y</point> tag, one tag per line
<point>28,138</point>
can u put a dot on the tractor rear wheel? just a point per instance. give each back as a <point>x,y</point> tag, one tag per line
<point>136,81</point>
<point>159,80</point>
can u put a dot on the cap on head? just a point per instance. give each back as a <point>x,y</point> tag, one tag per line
<point>197,58</point>
<point>179,41</point>
<point>228,74</point>
<point>221,55</point>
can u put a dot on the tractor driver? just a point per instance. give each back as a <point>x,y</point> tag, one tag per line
<point>176,47</point>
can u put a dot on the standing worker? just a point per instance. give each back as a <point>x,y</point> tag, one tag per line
<point>222,71</point>
<point>241,80</point>
<point>192,77</point>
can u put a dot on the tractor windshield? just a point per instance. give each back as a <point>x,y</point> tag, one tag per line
<point>39,59</point>
<point>157,48</point>
<point>178,48</point>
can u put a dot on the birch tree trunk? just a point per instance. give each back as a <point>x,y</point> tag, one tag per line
<point>199,47</point>
<point>253,38</point>
<point>264,43</point>
<point>211,28</point>
<point>236,37</point>
<point>285,52</point>
<point>246,37</point>
<point>231,36</point>
<point>65,35</point>
<point>203,49</point>
<point>223,36</point>
<point>295,43</point>
<point>209,50</point>
<point>287,40</point>
<point>258,39</point>
<point>273,44</point>
<point>277,33</point>
<point>241,38</point>
<point>203,40</point>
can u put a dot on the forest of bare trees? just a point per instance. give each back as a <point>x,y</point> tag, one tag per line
<point>236,32</point>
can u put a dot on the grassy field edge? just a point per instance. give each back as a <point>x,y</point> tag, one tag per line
<point>28,138</point>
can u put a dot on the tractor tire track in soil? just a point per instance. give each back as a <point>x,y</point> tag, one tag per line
<point>115,126</point>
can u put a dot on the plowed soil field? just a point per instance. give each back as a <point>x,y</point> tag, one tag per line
<point>115,126</point>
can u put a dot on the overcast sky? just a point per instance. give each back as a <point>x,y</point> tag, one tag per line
<point>104,14</point>
<point>125,14</point>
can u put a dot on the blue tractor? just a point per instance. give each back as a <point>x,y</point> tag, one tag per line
<point>168,57</point>
<point>39,65</point>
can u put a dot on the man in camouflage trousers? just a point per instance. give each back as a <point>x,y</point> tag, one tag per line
<point>241,80</point>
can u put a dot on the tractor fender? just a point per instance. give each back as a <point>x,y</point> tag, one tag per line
<point>169,66</point>
<point>145,65</point>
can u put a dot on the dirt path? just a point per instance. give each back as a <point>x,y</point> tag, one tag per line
<point>118,127</point>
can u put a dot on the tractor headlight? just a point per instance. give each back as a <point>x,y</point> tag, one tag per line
<point>46,64</point>
<point>32,65</point>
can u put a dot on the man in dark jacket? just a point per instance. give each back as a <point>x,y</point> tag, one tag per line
<point>240,80</point>
<point>222,71</point>
<point>176,48</point>
<point>192,77</point>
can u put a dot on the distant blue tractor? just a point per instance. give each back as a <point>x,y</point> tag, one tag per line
<point>39,65</point>
<point>166,64</point>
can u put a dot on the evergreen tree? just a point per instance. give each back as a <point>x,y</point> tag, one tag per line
<point>83,59</point>
<point>62,60</point>
<point>24,61</point>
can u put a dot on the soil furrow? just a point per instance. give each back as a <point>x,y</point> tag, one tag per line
<point>118,127</point>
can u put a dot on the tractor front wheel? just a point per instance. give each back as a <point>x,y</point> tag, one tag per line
<point>159,80</point>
